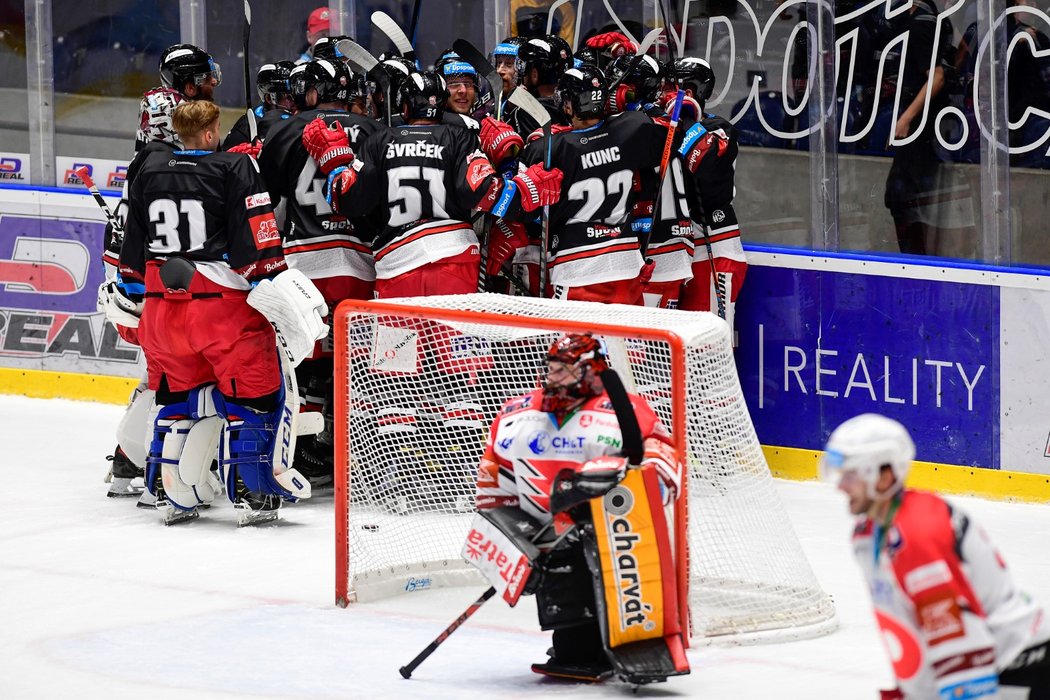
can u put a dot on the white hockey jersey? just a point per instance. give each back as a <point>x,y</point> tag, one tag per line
<point>950,614</point>
<point>527,449</point>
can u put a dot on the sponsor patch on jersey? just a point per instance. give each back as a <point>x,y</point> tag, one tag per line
<point>940,617</point>
<point>257,200</point>
<point>539,442</point>
<point>264,227</point>
<point>927,576</point>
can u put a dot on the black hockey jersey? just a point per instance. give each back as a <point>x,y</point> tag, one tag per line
<point>712,189</point>
<point>318,242</point>
<point>264,121</point>
<point>424,179</point>
<point>211,208</point>
<point>524,124</point>
<point>112,243</point>
<point>591,240</point>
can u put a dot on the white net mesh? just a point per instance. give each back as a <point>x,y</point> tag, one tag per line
<point>421,395</point>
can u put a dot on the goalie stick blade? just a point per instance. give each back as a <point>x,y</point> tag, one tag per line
<point>386,24</point>
<point>572,673</point>
<point>309,423</point>
<point>524,100</point>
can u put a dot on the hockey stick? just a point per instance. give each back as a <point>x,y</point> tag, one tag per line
<point>522,99</point>
<point>253,128</point>
<point>665,160</point>
<point>118,232</point>
<point>479,62</point>
<point>407,669</point>
<point>367,64</point>
<point>630,431</point>
<point>413,25</point>
<point>386,24</point>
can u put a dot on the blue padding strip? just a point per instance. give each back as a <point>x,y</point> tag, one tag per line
<point>510,188</point>
<point>696,131</point>
<point>133,287</point>
<point>56,190</point>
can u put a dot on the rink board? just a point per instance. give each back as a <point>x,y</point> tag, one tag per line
<point>955,352</point>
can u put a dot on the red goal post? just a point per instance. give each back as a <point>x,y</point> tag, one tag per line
<point>418,383</point>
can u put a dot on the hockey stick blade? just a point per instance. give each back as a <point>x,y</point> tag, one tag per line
<point>356,55</point>
<point>523,99</point>
<point>649,40</point>
<point>386,24</point>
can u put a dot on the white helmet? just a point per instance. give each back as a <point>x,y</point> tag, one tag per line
<point>864,444</point>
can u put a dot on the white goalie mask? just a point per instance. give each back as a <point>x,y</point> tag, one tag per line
<point>155,110</point>
<point>862,445</point>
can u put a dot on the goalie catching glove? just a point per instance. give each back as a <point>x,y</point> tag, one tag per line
<point>120,310</point>
<point>295,308</point>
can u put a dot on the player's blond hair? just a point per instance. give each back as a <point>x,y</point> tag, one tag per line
<point>191,118</point>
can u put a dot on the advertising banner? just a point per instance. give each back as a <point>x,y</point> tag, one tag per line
<point>951,353</point>
<point>50,271</point>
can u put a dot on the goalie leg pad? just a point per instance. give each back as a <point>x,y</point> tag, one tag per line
<point>635,592</point>
<point>250,441</point>
<point>135,429</point>
<point>182,449</point>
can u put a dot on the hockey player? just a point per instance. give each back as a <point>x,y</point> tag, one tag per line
<point>955,624</point>
<point>424,179</point>
<point>203,249</point>
<point>277,104</point>
<point>463,90</point>
<point>504,58</point>
<point>593,254</point>
<point>550,457</point>
<point>709,151</point>
<point>329,248</point>
<point>538,65</point>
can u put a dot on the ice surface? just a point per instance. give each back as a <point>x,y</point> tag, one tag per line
<point>100,600</point>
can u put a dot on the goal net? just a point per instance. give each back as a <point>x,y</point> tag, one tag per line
<point>418,383</point>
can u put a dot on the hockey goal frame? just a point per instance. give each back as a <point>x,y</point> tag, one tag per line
<point>343,483</point>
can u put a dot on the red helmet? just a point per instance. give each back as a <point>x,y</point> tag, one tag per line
<point>588,358</point>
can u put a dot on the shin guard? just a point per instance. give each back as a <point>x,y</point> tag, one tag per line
<point>185,438</point>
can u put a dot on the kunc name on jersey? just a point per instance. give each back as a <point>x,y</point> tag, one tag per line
<point>600,157</point>
<point>419,149</point>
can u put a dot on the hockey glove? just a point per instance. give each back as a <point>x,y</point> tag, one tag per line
<point>295,308</point>
<point>615,43</point>
<point>538,187</point>
<point>698,142</point>
<point>499,141</point>
<point>505,239</point>
<point>251,149</point>
<point>620,100</point>
<point>328,145</point>
<point>339,181</point>
<point>120,310</point>
<point>593,479</point>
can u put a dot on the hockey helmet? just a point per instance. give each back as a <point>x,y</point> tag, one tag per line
<point>643,76</point>
<point>326,48</point>
<point>550,56</point>
<point>865,444</point>
<point>507,49</point>
<point>272,81</point>
<point>155,110</point>
<point>694,74</point>
<point>451,66</point>
<point>586,357</point>
<point>186,63</point>
<point>424,95</point>
<point>330,79</point>
<point>586,89</point>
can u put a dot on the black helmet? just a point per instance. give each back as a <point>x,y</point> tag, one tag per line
<point>424,94</point>
<point>695,74</point>
<point>397,69</point>
<point>272,80</point>
<point>331,80</point>
<point>325,48</point>
<point>186,63</point>
<point>587,56</point>
<point>643,75</point>
<point>550,56</point>
<point>586,89</point>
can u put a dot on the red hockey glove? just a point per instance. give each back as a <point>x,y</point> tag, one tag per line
<point>339,181</point>
<point>499,141</point>
<point>645,275</point>
<point>329,146</point>
<point>555,129</point>
<point>617,43</point>
<point>504,240</point>
<point>538,187</point>
<point>251,149</point>
<point>619,100</point>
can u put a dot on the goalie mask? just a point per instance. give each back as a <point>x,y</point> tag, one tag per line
<point>584,358</point>
<point>155,110</point>
<point>862,446</point>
